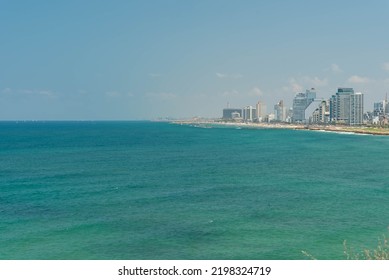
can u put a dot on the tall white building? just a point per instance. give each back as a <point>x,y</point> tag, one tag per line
<point>356,109</point>
<point>280,111</point>
<point>248,113</point>
<point>260,111</point>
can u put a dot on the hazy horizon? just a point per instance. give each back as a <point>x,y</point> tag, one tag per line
<point>140,60</point>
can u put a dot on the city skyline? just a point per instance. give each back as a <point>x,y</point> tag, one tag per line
<point>131,60</point>
<point>346,107</point>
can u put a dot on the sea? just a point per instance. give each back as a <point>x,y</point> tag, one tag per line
<point>162,191</point>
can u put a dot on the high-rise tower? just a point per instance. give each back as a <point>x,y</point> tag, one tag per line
<point>300,103</point>
<point>346,107</point>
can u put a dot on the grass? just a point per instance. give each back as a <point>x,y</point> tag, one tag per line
<point>381,252</point>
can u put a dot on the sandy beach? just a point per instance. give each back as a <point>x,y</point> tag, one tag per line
<point>329,128</point>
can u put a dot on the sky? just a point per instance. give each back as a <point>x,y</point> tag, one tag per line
<point>136,60</point>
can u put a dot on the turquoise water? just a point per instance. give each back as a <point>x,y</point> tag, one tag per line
<point>144,190</point>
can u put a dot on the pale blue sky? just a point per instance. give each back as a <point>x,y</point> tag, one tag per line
<point>88,60</point>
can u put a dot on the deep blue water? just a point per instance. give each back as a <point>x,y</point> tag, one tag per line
<point>145,190</point>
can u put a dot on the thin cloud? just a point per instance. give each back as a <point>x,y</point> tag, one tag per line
<point>161,95</point>
<point>355,79</point>
<point>7,91</point>
<point>315,81</point>
<point>117,94</point>
<point>294,86</point>
<point>47,93</point>
<point>82,92</point>
<point>113,94</point>
<point>230,93</point>
<point>31,92</point>
<point>335,68</point>
<point>255,92</point>
<point>155,75</point>
<point>228,76</point>
<point>297,85</point>
<point>385,66</point>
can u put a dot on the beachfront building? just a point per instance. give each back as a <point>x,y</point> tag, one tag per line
<point>301,102</point>
<point>236,116</point>
<point>346,107</point>
<point>260,111</point>
<point>321,115</point>
<point>232,113</point>
<point>356,109</point>
<point>381,108</point>
<point>280,111</point>
<point>270,117</point>
<point>381,112</point>
<point>385,105</point>
<point>315,117</point>
<point>248,113</point>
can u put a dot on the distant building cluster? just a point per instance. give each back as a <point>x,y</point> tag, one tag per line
<point>248,113</point>
<point>344,107</point>
<point>380,114</point>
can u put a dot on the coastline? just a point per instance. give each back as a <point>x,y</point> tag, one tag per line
<point>327,128</point>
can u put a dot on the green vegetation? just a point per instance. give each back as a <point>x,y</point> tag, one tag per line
<point>381,252</point>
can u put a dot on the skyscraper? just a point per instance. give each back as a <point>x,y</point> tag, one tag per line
<point>346,107</point>
<point>386,105</point>
<point>280,111</point>
<point>301,102</point>
<point>260,111</point>
<point>356,109</point>
<point>248,113</point>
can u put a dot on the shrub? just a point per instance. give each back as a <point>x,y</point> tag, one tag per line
<point>381,252</point>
